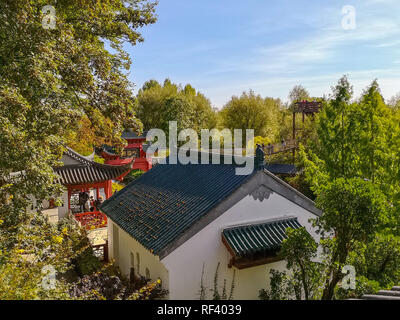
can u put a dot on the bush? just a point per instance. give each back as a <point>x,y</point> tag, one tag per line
<point>133,175</point>
<point>98,286</point>
<point>280,287</point>
<point>98,159</point>
<point>87,263</point>
<point>116,187</point>
<point>363,286</point>
<point>104,285</point>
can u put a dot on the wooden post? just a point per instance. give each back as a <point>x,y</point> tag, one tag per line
<point>106,251</point>
<point>294,125</point>
<point>294,135</point>
<point>69,199</point>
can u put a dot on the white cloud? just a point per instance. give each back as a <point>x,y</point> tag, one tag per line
<point>371,2</point>
<point>274,70</point>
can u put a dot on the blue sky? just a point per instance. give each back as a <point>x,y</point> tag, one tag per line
<point>224,47</point>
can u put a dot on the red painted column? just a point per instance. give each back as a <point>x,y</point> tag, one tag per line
<point>69,199</point>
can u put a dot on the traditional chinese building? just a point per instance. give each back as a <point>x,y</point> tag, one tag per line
<point>88,183</point>
<point>135,150</point>
<point>179,223</point>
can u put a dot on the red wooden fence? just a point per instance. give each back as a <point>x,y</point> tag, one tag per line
<point>92,220</point>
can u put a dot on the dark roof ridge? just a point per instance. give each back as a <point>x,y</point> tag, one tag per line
<point>132,135</point>
<point>288,186</point>
<point>215,154</point>
<point>77,156</point>
<point>89,162</point>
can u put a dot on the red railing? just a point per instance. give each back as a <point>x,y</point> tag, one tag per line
<point>91,220</point>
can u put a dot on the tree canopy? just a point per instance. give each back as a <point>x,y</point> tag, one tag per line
<point>350,169</point>
<point>298,93</point>
<point>251,111</point>
<point>52,79</point>
<point>158,104</point>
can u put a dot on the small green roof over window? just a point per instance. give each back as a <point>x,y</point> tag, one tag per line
<point>256,238</point>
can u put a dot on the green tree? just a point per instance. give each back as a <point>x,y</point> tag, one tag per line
<point>159,104</point>
<point>251,111</point>
<point>51,79</point>
<point>353,210</point>
<point>359,139</point>
<point>377,140</point>
<point>336,130</point>
<point>300,250</point>
<point>351,171</point>
<point>298,93</point>
<point>379,259</point>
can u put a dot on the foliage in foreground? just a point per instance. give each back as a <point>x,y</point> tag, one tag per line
<point>215,291</point>
<point>351,168</point>
<point>41,250</point>
<point>103,286</point>
<point>55,84</point>
<point>27,270</point>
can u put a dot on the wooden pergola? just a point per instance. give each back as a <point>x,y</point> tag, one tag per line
<point>306,108</point>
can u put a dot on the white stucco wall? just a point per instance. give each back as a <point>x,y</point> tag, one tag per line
<point>63,211</point>
<point>128,245</point>
<point>186,262</point>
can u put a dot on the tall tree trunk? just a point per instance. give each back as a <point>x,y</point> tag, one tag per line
<point>303,279</point>
<point>329,289</point>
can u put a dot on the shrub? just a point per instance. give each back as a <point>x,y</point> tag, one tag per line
<point>87,263</point>
<point>105,286</point>
<point>363,286</point>
<point>98,286</point>
<point>133,175</point>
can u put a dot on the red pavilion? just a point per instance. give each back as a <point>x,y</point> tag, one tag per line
<point>135,150</point>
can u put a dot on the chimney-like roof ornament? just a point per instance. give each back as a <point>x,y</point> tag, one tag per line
<point>260,158</point>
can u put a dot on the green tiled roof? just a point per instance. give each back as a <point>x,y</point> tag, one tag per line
<point>88,171</point>
<point>255,238</point>
<point>166,201</point>
<point>129,135</point>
